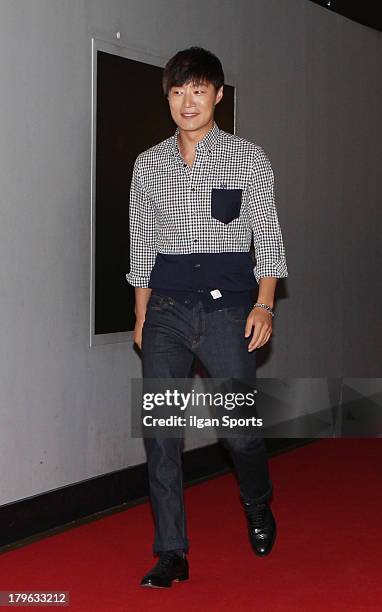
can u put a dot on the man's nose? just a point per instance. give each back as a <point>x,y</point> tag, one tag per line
<point>188,99</point>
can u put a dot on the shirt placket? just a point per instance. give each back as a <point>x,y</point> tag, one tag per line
<point>191,177</point>
<point>190,181</point>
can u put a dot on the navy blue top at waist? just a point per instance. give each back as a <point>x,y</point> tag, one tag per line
<point>190,278</point>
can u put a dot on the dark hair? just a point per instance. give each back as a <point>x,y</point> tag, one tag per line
<point>192,65</point>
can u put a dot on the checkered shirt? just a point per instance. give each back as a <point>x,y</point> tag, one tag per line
<point>170,204</point>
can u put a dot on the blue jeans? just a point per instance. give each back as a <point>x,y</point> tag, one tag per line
<point>173,334</point>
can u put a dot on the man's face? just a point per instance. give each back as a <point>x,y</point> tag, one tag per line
<point>192,106</point>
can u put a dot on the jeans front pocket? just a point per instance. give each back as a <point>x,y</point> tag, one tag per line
<point>226,204</point>
<point>237,314</point>
<point>158,302</point>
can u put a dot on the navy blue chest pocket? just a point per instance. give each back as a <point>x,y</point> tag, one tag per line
<point>226,204</point>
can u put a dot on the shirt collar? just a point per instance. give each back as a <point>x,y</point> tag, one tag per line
<point>205,145</point>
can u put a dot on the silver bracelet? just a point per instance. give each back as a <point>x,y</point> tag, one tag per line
<point>267,308</point>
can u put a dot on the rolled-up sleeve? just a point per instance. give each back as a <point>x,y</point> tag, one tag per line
<point>262,212</point>
<point>142,223</point>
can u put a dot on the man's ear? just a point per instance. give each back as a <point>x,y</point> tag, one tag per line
<point>219,95</point>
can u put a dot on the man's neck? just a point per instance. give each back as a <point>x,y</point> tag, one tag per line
<point>187,140</point>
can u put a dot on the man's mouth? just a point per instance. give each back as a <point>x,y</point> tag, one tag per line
<point>189,114</point>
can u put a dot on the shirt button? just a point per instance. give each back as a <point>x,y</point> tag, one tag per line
<point>197,266</point>
<point>192,188</point>
<point>200,290</point>
<point>195,240</point>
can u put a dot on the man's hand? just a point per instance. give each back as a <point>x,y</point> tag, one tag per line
<point>261,320</point>
<point>137,335</point>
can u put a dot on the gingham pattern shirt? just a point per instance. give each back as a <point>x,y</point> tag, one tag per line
<point>170,204</point>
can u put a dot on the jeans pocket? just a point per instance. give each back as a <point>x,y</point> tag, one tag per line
<point>226,204</point>
<point>159,302</point>
<point>237,314</point>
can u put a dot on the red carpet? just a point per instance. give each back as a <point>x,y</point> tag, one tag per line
<point>328,505</point>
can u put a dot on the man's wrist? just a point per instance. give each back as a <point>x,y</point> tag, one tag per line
<point>266,292</point>
<point>265,307</point>
<point>267,302</point>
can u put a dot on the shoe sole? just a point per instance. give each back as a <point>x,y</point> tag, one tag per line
<point>155,586</point>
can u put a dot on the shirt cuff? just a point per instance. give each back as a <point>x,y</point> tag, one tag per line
<point>138,281</point>
<point>277,269</point>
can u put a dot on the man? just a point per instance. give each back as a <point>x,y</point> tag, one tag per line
<point>196,200</point>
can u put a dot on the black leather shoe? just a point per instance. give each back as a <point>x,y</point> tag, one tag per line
<point>169,567</point>
<point>261,527</point>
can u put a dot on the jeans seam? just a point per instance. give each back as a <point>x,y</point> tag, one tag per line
<point>200,315</point>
